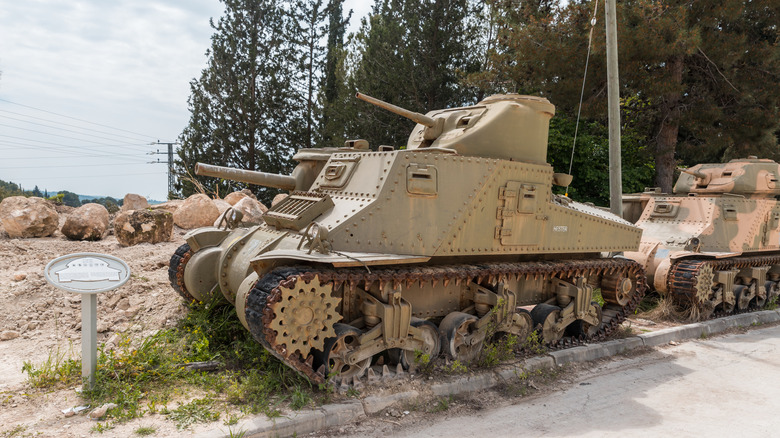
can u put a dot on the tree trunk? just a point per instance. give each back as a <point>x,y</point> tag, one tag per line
<point>666,140</point>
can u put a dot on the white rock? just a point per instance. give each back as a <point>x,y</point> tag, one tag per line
<point>134,202</point>
<point>196,211</point>
<point>28,217</point>
<point>88,222</point>
<point>8,335</point>
<point>234,197</point>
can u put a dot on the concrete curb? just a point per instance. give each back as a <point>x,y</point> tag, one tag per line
<point>304,422</point>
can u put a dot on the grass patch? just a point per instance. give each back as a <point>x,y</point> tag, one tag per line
<point>56,369</point>
<point>145,431</point>
<point>143,375</point>
<point>197,411</point>
<point>500,349</point>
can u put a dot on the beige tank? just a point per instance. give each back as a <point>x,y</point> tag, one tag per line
<point>715,243</point>
<point>432,248</point>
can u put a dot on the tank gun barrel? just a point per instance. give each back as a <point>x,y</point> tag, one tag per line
<point>283,182</point>
<point>411,115</point>
<point>692,172</point>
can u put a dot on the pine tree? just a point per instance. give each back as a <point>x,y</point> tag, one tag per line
<point>408,53</point>
<point>698,77</point>
<point>245,110</point>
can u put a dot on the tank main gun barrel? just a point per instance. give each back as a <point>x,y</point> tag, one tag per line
<point>411,115</point>
<point>693,172</point>
<point>283,182</point>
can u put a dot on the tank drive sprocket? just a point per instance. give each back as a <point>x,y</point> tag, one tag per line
<point>304,315</point>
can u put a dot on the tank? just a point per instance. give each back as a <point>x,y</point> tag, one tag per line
<point>429,249</point>
<point>714,244</point>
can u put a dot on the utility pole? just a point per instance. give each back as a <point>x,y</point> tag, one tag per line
<point>171,181</point>
<point>613,97</point>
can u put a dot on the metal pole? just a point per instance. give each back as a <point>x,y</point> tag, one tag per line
<point>170,168</point>
<point>88,339</point>
<point>613,93</point>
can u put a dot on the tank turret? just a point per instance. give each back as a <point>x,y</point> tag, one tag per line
<point>429,249</point>
<point>714,243</point>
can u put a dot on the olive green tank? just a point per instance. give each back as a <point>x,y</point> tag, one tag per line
<point>432,248</point>
<point>715,243</point>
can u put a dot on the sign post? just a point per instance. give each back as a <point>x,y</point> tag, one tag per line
<point>87,274</point>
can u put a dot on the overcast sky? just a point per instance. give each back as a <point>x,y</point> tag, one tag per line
<point>85,86</point>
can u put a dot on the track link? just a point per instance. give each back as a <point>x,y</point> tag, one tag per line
<point>176,267</point>
<point>685,274</point>
<point>266,292</point>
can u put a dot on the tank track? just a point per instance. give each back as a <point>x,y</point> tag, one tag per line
<point>266,292</point>
<point>684,274</point>
<point>176,267</point>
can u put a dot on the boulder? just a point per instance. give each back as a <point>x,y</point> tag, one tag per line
<point>88,222</point>
<point>251,210</point>
<point>169,206</point>
<point>234,197</point>
<point>249,193</point>
<point>222,205</point>
<point>196,211</point>
<point>134,202</point>
<point>28,217</point>
<point>143,226</point>
<point>277,199</point>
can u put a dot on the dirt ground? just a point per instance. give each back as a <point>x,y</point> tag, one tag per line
<point>42,320</point>
<point>48,320</point>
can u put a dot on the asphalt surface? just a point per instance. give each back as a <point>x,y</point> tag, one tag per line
<point>726,385</point>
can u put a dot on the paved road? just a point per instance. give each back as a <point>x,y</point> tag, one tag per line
<point>728,385</point>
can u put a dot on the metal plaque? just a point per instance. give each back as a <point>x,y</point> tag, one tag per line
<point>87,273</point>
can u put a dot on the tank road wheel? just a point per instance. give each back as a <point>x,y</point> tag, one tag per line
<point>743,295</point>
<point>176,268</point>
<point>333,355</point>
<point>431,347</point>
<point>580,328</point>
<point>456,339</point>
<point>304,316</point>
<point>618,288</point>
<point>545,317</point>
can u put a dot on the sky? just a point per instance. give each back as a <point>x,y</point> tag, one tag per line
<point>87,86</point>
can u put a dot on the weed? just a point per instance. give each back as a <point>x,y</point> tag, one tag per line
<point>55,369</point>
<point>598,298</point>
<point>533,343</point>
<point>424,363</point>
<point>353,393</point>
<point>102,427</point>
<point>300,399</point>
<point>703,335</point>
<point>196,411</point>
<point>231,419</point>
<point>145,430</point>
<point>236,434</point>
<point>442,404</point>
<point>771,304</point>
<point>500,349</point>
<point>456,367</point>
<point>16,431</point>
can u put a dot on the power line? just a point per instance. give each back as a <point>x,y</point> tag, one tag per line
<point>57,135</point>
<point>80,120</point>
<point>38,178</point>
<point>64,129</point>
<point>78,152</point>
<point>74,165</point>
<point>72,126</point>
